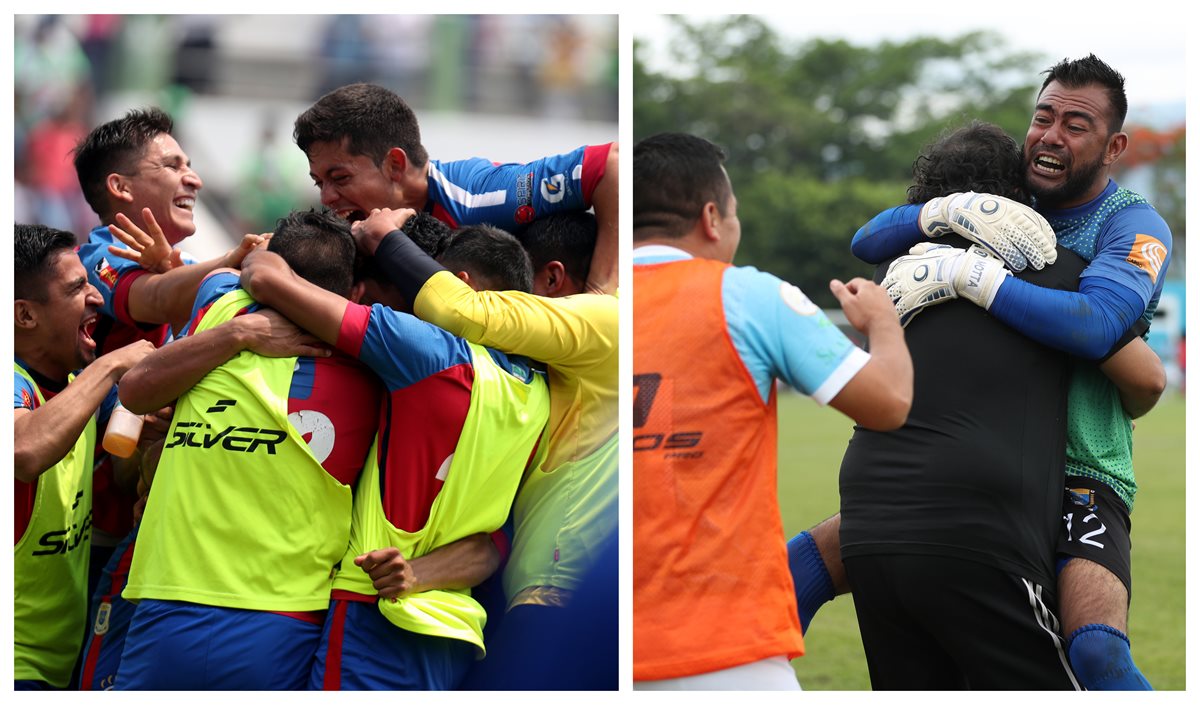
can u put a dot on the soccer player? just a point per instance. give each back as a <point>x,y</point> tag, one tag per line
<point>710,341</point>
<point>561,246</point>
<point>132,170</point>
<point>461,424</point>
<point>233,564</point>
<point>54,435</point>
<point>566,509</point>
<point>364,151</point>
<point>1074,139</point>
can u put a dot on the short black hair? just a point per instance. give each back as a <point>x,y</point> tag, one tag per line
<point>674,175</point>
<point>978,157</point>
<point>567,237</point>
<point>1088,71</point>
<point>317,245</point>
<point>114,148</point>
<point>35,249</point>
<point>491,255</point>
<point>367,119</point>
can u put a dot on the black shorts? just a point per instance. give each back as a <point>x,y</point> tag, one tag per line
<point>1096,527</point>
<point>932,622</point>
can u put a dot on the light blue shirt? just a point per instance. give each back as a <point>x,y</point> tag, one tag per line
<point>777,331</point>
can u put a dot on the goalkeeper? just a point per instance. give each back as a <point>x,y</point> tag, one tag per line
<point>983,158</point>
<point>1128,245</point>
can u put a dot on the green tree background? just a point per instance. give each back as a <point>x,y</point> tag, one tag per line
<point>821,134</point>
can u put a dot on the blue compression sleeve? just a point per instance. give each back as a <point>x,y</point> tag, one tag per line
<point>1101,659</point>
<point>1085,324</point>
<point>889,234</point>
<point>810,578</point>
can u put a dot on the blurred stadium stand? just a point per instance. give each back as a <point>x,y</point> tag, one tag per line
<point>505,87</point>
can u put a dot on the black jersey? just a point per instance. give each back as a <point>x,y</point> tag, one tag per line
<point>977,470</point>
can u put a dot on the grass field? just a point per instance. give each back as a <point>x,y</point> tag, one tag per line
<point>811,443</point>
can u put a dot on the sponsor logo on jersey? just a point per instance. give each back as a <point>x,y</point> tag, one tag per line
<point>237,439</point>
<point>554,189</point>
<point>524,215</point>
<point>525,188</point>
<point>54,543</point>
<point>26,399</point>
<point>1147,254</point>
<point>796,300</point>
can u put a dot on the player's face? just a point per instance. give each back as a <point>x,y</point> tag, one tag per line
<point>164,182</point>
<point>350,185</point>
<point>1068,147</point>
<point>70,312</point>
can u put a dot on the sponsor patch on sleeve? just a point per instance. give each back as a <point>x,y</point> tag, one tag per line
<point>1147,254</point>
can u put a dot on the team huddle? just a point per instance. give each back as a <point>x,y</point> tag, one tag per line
<point>986,492</point>
<point>378,445</point>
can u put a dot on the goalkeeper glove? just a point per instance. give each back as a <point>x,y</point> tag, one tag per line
<point>1009,230</point>
<point>932,274</point>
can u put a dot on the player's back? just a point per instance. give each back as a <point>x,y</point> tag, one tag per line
<point>976,471</point>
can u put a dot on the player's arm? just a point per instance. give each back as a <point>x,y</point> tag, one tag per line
<point>272,283</point>
<point>168,372</point>
<point>43,436</point>
<point>1138,374</point>
<point>879,395</point>
<point>889,234</point>
<point>603,274</point>
<point>167,297</point>
<point>455,566</point>
<point>550,330</point>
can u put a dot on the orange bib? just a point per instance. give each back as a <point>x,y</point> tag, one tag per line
<point>711,587</point>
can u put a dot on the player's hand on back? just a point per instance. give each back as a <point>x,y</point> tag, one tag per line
<point>1010,231</point>
<point>381,221</point>
<point>270,334</point>
<point>932,274</point>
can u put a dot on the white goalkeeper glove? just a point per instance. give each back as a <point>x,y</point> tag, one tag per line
<point>932,274</point>
<point>1009,230</point>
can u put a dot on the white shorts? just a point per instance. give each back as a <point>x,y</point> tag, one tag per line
<point>769,674</point>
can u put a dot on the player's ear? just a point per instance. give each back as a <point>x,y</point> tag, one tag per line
<point>118,187</point>
<point>397,162</point>
<point>550,279</point>
<point>357,291</point>
<point>462,274</point>
<point>25,314</point>
<point>710,220</point>
<point>1117,143</point>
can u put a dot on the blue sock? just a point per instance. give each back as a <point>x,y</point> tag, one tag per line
<point>813,585</point>
<point>1101,659</point>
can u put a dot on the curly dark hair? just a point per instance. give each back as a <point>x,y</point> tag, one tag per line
<point>978,157</point>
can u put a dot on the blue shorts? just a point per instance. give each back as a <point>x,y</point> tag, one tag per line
<point>361,650</point>
<point>109,617</point>
<point>185,646</point>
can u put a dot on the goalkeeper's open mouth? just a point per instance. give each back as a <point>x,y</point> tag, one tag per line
<point>1047,165</point>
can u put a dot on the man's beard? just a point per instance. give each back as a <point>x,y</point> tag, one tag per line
<point>1080,181</point>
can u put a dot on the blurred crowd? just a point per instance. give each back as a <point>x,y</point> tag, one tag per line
<point>67,66</point>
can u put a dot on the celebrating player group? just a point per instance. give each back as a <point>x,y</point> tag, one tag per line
<point>377,446</point>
